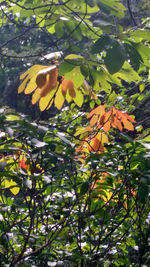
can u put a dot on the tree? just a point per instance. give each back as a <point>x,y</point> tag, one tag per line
<point>75,189</point>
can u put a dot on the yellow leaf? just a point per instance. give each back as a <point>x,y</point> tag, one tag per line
<point>78,98</point>
<point>50,104</point>
<point>15,189</point>
<point>59,99</point>
<point>102,138</point>
<point>68,97</point>
<point>82,130</point>
<point>30,72</point>
<point>73,56</point>
<point>27,76</point>
<point>45,101</point>
<point>22,86</point>
<point>31,86</point>
<point>35,97</point>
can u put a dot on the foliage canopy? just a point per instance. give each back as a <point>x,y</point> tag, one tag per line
<point>74,190</point>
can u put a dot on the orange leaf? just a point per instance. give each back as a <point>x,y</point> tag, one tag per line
<point>53,77</point>
<point>106,127</point>
<point>94,145</point>
<point>128,125</point>
<point>100,110</point>
<point>133,193</point>
<point>93,120</point>
<point>68,85</point>
<point>126,116</point>
<point>22,163</point>
<point>50,81</point>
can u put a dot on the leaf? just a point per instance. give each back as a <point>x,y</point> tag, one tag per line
<point>101,81</point>
<point>65,67</point>
<point>144,52</point>
<point>141,34</point>
<point>84,70</point>
<point>29,84</point>
<point>133,54</point>
<point>95,145</point>
<point>78,98</point>
<point>115,57</point>
<point>127,73</point>
<point>84,188</point>
<point>73,28</point>
<point>11,117</point>
<point>74,56</point>
<point>128,125</point>
<point>77,78</point>
<point>63,138</point>
<point>38,143</point>
<point>82,130</point>
<point>99,111</point>
<point>68,86</point>
<point>143,194</point>
<point>114,7</point>
<point>12,186</point>
<point>51,29</point>
<point>106,126</point>
<point>45,101</point>
<point>50,80</point>
<point>142,87</point>
<point>59,99</point>
<point>59,28</point>
<point>103,22</point>
<point>102,138</point>
<point>36,96</point>
<point>146,139</point>
<point>93,120</point>
<point>103,43</point>
<point>30,72</point>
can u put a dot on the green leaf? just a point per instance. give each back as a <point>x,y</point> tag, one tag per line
<point>65,67</point>
<point>59,28</point>
<point>84,70</point>
<point>78,78</point>
<point>127,73</point>
<point>143,193</point>
<point>102,44</point>
<point>141,34</point>
<point>115,58</point>
<point>74,56</point>
<point>133,54</point>
<point>112,6</point>
<point>51,29</point>
<point>144,52</point>
<point>84,188</point>
<point>101,81</point>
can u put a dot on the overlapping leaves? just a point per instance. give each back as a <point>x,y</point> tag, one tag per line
<point>48,88</point>
<point>94,136</point>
